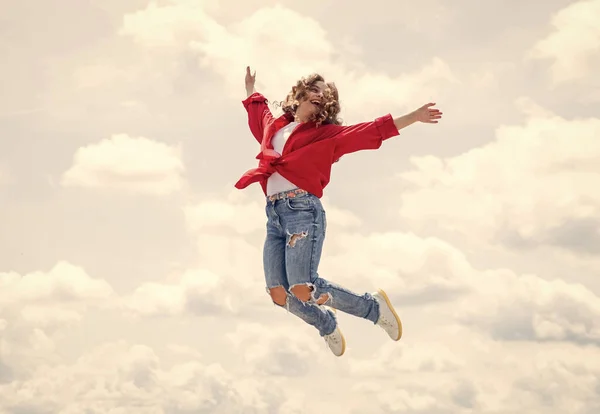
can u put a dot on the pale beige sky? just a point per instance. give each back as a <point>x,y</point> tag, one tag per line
<point>131,269</point>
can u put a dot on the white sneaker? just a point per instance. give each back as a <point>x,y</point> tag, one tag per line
<point>336,342</point>
<point>388,318</point>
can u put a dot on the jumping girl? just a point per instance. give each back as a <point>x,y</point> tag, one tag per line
<point>297,152</point>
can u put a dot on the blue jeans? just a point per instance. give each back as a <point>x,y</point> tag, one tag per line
<point>292,251</point>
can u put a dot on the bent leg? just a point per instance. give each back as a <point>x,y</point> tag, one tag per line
<point>278,287</point>
<point>304,244</point>
<point>363,306</point>
<point>278,295</point>
<point>323,292</point>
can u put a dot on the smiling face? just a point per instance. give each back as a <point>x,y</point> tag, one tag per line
<point>311,102</point>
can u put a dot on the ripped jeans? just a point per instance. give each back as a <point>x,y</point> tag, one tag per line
<point>292,251</point>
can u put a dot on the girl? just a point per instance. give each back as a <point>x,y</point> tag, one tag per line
<point>297,152</point>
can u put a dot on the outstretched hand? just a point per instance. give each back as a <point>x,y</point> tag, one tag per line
<point>427,114</point>
<point>250,81</point>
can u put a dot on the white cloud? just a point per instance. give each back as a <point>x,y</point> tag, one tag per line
<point>65,282</point>
<point>507,305</point>
<point>429,375</point>
<point>48,317</point>
<point>282,350</point>
<point>574,44</point>
<point>39,306</point>
<point>226,275</point>
<point>123,378</point>
<point>199,292</point>
<point>226,278</point>
<point>447,370</point>
<point>403,401</point>
<point>412,269</point>
<point>168,25</point>
<point>243,218</point>
<point>134,164</point>
<point>425,394</point>
<point>339,218</point>
<point>526,307</point>
<point>566,379</point>
<point>529,187</point>
<point>421,357</point>
<point>189,28</point>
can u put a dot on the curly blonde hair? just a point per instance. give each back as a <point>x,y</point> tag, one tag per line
<point>329,110</point>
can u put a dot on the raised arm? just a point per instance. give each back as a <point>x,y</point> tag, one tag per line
<point>255,103</point>
<point>250,81</point>
<point>370,135</point>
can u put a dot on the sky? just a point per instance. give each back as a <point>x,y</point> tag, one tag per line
<point>131,268</point>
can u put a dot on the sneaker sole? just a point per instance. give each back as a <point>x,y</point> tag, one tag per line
<point>387,300</point>
<point>343,343</point>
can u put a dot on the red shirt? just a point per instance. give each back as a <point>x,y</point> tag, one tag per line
<point>310,151</point>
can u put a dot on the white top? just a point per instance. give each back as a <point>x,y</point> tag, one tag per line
<point>276,183</point>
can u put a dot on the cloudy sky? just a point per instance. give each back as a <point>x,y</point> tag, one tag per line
<point>131,269</point>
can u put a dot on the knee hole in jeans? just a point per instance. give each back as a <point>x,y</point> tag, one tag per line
<point>278,295</point>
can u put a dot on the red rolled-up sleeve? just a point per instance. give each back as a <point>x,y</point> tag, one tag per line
<point>259,114</point>
<point>363,136</point>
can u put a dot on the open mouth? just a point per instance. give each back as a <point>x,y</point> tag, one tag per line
<point>316,102</point>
